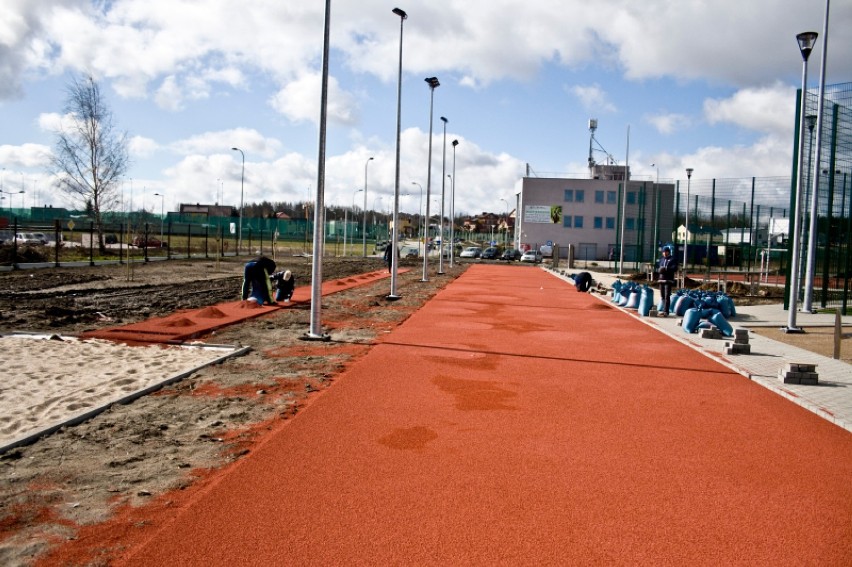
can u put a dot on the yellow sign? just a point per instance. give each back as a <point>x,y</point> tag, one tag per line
<point>70,225</point>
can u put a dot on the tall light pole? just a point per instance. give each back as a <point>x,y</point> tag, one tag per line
<point>218,186</point>
<point>420,217</point>
<point>242,193</point>
<point>315,330</point>
<point>395,238</point>
<point>453,206</point>
<point>807,303</point>
<point>162,213</point>
<point>656,213</point>
<point>364,222</point>
<point>443,184</point>
<point>433,84</point>
<point>506,236</point>
<point>806,42</point>
<point>689,171</point>
<point>345,224</point>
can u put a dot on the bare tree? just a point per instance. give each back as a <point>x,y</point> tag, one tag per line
<point>91,155</point>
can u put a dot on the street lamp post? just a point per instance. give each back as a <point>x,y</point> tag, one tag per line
<point>345,224</point>
<point>162,213</point>
<point>443,184</point>
<point>689,171</point>
<point>433,84</point>
<point>806,42</point>
<point>506,236</point>
<point>420,218</point>
<point>453,206</point>
<point>394,251</point>
<point>242,193</point>
<point>364,223</point>
<point>656,247</point>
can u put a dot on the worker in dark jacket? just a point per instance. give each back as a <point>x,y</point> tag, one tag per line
<point>285,283</point>
<point>666,274</point>
<point>256,283</point>
<point>583,281</point>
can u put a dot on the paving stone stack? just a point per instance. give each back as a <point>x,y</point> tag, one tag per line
<point>740,344</point>
<point>799,373</point>
<point>713,333</point>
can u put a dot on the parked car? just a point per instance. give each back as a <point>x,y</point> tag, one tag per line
<point>511,255</point>
<point>410,253</point>
<point>490,253</point>
<point>41,237</point>
<point>24,238</point>
<point>152,242</point>
<point>471,252</point>
<point>533,256</point>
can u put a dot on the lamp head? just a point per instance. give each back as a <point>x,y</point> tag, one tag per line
<point>455,143</point>
<point>689,171</point>
<point>400,13</point>
<point>811,121</point>
<point>444,120</point>
<point>806,43</point>
<point>433,82</point>
<point>236,149</point>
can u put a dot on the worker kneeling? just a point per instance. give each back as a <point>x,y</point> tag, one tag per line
<point>256,282</point>
<point>583,281</point>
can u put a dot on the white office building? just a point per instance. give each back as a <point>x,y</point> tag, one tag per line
<point>587,214</point>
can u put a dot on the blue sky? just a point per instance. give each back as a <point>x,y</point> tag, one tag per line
<point>708,85</point>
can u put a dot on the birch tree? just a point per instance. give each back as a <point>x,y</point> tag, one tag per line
<point>91,155</point>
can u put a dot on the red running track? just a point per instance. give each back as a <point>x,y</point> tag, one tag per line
<point>515,421</point>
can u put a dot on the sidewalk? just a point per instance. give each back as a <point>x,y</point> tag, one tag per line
<point>514,421</point>
<point>831,399</point>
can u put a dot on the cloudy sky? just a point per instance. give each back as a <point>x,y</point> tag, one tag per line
<point>700,83</point>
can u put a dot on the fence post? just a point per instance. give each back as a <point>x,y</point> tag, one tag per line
<point>145,243</point>
<point>91,243</point>
<point>57,239</point>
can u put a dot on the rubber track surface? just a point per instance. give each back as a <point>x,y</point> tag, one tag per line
<point>515,421</point>
<point>191,324</point>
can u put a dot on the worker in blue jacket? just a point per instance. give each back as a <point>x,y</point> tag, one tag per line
<point>256,283</point>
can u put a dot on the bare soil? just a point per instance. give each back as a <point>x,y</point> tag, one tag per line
<point>61,497</point>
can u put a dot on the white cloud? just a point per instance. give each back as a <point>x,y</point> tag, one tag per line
<point>593,98</point>
<point>299,100</point>
<point>668,123</point>
<point>251,142</point>
<point>26,155</point>
<point>765,109</point>
<point>142,147</point>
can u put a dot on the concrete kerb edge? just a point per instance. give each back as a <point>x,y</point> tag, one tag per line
<point>77,419</point>
<point>765,382</point>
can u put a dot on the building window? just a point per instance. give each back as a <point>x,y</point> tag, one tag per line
<point>629,223</point>
<point>599,222</point>
<point>599,196</point>
<point>610,197</point>
<point>566,221</point>
<point>610,223</point>
<point>580,195</point>
<point>569,195</point>
<point>631,197</point>
<point>578,222</point>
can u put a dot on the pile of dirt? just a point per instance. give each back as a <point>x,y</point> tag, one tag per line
<point>61,497</point>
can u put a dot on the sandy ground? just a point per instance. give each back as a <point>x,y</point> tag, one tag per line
<point>135,455</point>
<point>48,380</point>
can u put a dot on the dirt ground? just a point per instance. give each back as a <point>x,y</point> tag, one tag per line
<point>133,458</point>
<point>81,495</point>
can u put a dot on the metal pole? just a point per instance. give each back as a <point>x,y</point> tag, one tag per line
<point>453,207</point>
<point>443,184</point>
<point>242,193</point>
<point>315,331</point>
<point>689,171</point>
<point>433,83</point>
<point>806,41</point>
<point>395,238</point>
<point>807,303</point>
<point>364,224</point>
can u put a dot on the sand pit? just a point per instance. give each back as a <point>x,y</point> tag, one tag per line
<point>48,380</point>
